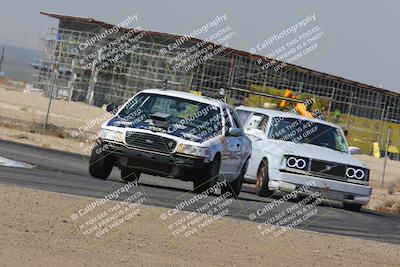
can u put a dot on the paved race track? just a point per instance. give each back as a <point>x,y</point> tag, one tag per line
<point>68,173</point>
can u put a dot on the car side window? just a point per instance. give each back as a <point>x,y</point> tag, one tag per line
<point>263,124</point>
<point>228,122</point>
<point>234,122</point>
<point>243,116</point>
<point>235,119</point>
<point>257,121</point>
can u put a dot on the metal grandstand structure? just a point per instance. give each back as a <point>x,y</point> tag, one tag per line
<point>144,66</point>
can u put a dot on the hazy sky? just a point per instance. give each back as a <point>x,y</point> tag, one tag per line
<point>361,38</point>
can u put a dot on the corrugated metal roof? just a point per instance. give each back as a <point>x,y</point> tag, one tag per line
<point>232,50</point>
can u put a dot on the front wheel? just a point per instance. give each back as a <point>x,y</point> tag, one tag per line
<point>352,207</point>
<point>209,177</point>
<point>262,189</point>
<point>235,187</point>
<point>129,175</point>
<point>100,163</point>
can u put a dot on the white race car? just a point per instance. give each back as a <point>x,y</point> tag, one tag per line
<point>174,134</point>
<point>290,151</point>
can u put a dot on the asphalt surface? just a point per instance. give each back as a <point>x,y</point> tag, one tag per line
<point>65,172</point>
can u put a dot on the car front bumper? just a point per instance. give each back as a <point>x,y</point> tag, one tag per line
<point>155,163</point>
<point>330,189</point>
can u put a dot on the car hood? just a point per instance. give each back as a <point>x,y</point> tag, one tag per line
<point>181,132</point>
<point>312,151</point>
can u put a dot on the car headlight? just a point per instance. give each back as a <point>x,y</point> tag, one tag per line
<point>357,173</point>
<point>112,135</point>
<point>299,163</point>
<point>193,150</point>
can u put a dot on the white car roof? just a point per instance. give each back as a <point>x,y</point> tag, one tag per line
<point>285,114</point>
<point>185,95</point>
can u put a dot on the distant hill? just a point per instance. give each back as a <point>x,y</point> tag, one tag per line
<point>17,62</point>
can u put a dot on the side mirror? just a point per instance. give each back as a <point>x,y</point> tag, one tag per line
<point>354,150</point>
<point>235,131</point>
<point>111,108</point>
<point>345,132</point>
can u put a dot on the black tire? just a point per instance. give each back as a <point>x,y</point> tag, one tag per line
<point>208,178</point>
<point>100,164</point>
<point>352,207</point>
<point>129,175</point>
<point>235,187</point>
<point>262,189</point>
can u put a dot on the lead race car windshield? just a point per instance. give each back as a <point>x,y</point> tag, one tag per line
<point>178,116</point>
<point>304,131</point>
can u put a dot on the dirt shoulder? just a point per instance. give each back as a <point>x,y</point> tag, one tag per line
<point>37,229</point>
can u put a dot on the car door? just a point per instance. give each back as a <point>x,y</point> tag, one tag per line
<point>235,146</point>
<point>226,165</point>
<point>256,128</point>
<point>242,139</point>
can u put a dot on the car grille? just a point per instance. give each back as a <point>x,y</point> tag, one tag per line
<point>150,142</point>
<point>324,168</point>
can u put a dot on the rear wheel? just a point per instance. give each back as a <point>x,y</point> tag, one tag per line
<point>209,177</point>
<point>235,187</point>
<point>100,162</point>
<point>262,189</point>
<point>129,175</point>
<point>352,207</point>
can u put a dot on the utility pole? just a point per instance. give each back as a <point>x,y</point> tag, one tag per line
<point>53,82</point>
<point>349,112</point>
<point>54,69</point>
<point>2,58</point>
<point>93,81</point>
<point>382,124</point>
<point>300,87</point>
<point>330,103</point>
<point>386,152</point>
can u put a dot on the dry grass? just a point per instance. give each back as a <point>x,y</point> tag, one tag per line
<point>23,108</point>
<point>390,206</point>
<point>21,136</point>
<point>31,107</point>
<point>393,187</point>
<point>37,128</point>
